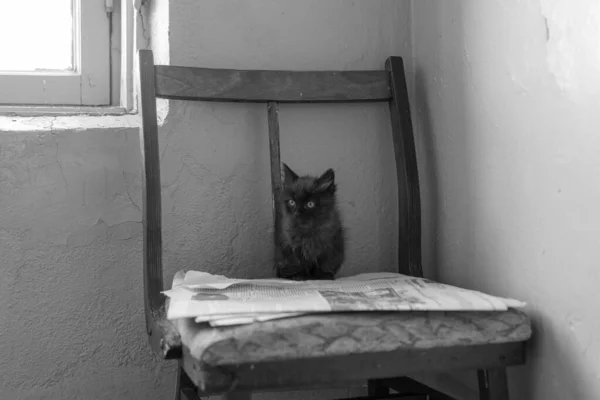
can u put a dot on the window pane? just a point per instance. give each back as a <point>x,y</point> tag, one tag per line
<point>36,35</point>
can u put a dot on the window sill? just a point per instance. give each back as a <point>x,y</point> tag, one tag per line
<point>49,123</point>
<point>40,111</point>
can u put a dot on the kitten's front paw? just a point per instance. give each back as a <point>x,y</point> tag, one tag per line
<point>326,276</point>
<point>284,270</point>
<point>289,271</point>
<point>298,277</point>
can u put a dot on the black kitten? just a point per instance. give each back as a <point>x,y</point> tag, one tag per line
<point>311,236</point>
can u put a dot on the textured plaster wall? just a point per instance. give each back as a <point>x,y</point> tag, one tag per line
<point>216,161</point>
<point>71,324</point>
<point>507,95</point>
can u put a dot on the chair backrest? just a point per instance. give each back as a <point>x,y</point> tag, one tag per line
<point>273,87</point>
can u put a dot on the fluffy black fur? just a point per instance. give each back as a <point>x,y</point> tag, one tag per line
<point>311,236</point>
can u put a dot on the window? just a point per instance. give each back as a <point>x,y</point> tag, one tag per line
<point>58,53</point>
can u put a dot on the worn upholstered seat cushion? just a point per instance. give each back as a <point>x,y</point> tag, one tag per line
<point>349,333</point>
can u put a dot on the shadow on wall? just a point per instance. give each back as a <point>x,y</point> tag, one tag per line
<point>428,175</point>
<point>469,108</point>
<point>429,90</point>
<point>453,126</point>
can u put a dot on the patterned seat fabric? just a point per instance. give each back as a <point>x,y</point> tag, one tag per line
<point>349,333</point>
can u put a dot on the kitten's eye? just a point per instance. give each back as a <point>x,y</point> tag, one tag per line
<point>310,204</point>
<point>292,203</point>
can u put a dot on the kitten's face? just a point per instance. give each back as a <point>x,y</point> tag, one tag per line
<point>308,200</point>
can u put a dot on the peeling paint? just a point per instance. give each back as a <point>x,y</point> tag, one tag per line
<point>509,170</point>
<point>101,230</point>
<point>573,44</point>
<point>70,239</point>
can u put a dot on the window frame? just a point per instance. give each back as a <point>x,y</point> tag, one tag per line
<point>90,88</point>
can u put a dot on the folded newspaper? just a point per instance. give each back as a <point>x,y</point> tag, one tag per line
<point>222,301</point>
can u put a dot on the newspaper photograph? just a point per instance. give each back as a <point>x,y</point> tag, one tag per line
<point>221,301</point>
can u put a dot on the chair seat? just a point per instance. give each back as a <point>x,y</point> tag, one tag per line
<point>323,335</point>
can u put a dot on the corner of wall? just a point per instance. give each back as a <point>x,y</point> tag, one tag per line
<point>412,50</point>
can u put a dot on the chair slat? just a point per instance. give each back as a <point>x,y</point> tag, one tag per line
<point>188,83</point>
<point>275,156</point>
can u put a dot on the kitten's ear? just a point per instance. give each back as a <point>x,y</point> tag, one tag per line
<point>326,182</point>
<point>288,174</point>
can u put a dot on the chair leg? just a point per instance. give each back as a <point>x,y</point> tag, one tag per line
<point>237,396</point>
<point>377,388</point>
<point>404,387</point>
<point>493,384</point>
<point>184,388</point>
<point>178,384</point>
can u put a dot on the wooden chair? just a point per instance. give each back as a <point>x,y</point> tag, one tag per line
<point>313,351</point>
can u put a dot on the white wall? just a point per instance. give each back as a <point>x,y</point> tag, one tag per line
<point>71,325</point>
<point>508,96</point>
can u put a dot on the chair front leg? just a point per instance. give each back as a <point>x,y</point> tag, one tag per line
<point>377,388</point>
<point>184,388</point>
<point>493,384</point>
<point>178,383</point>
<point>236,396</point>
